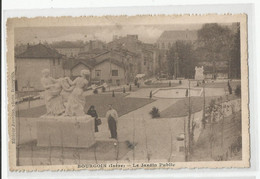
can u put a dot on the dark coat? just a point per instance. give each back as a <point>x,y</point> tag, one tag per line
<point>93,113</point>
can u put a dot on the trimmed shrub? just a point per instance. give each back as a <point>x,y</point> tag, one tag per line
<point>154,112</point>
<point>229,88</point>
<point>113,93</point>
<point>187,93</point>
<point>238,91</point>
<point>103,89</point>
<point>151,94</point>
<point>136,82</point>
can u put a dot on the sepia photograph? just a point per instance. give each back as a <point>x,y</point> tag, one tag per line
<point>128,92</point>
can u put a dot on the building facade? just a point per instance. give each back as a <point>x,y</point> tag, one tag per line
<point>68,48</point>
<point>29,65</point>
<point>146,55</point>
<point>110,71</point>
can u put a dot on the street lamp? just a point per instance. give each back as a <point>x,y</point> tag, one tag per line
<point>176,64</point>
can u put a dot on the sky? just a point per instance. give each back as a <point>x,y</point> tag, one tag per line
<point>146,33</point>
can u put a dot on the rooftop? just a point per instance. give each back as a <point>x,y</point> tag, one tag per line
<point>71,62</point>
<point>112,60</point>
<point>39,51</point>
<point>67,44</point>
<point>90,63</point>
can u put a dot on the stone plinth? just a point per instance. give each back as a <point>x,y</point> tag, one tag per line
<point>64,131</point>
<point>199,73</point>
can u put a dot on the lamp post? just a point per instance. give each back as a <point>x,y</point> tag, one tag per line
<point>176,65</point>
<point>189,121</point>
<point>187,141</point>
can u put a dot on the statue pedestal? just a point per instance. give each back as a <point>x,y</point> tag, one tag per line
<point>199,73</point>
<point>63,131</point>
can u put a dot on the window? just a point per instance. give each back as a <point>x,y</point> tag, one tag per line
<point>144,61</point>
<point>169,45</point>
<point>163,45</point>
<point>53,61</point>
<point>58,61</point>
<point>98,73</point>
<point>114,72</point>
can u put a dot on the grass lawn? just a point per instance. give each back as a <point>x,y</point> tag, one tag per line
<point>233,85</point>
<point>180,108</point>
<point>154,85</point>
<point>121,104</point>
<point>160,85</point>
<point>100,101</point>
<point>133,89</point>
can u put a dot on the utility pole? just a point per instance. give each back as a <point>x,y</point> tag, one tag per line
<point>222,125</point>
<point>110,75</point>
<point>229,69</point>
<point>176,65</point>
<point>189,120</point>
<point>204,106</point>
<point>185,141</point>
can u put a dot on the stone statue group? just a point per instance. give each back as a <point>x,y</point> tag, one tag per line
<point>64,96</point>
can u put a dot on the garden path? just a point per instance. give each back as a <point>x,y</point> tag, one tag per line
<point>151,136</point>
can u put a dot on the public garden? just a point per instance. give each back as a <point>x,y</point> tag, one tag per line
<point>144,133</point>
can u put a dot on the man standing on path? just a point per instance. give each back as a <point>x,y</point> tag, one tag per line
<point>112,116</point>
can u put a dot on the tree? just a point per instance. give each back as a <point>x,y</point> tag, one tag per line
<point>235,55</point>
<point>155,113</point>
<point>181,59</point>
<point>170,60</point>
<point>214,44</point>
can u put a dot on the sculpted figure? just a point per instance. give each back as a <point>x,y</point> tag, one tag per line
<point>76,100</point>
<point>66,89</point>
<point>53,100</point>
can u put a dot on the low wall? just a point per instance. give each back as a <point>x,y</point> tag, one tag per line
<point>65,131</point>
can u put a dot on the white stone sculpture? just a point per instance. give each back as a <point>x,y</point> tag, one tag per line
<point>199,73</point>
<point>53,99</point>
<point>76,100</point>
<point>63,96</point>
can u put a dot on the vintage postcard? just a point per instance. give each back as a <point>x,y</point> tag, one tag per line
<point>128,92</point>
